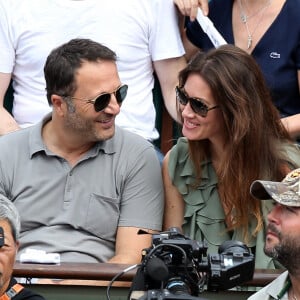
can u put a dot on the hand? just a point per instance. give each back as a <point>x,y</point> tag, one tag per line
<point>190,7</point>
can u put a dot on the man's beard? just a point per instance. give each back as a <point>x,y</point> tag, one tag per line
<point>287,251</point>
<point>85,128</point>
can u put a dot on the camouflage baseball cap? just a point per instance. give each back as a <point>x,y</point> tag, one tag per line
<point>286,192</point>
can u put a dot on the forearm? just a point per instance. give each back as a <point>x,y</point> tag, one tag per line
<point>167,73</point>
<point>126,259</point>
<point>130,244</point>
<point>7,122</point>
<point>190,48</point>
<point>292,125</point>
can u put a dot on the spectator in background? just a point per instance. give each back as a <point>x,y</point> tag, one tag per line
<point>83,186</point>
<point>143,33</point>
<point>232,135</point>
<point>282,241</point>
<point>9,235</point>
<point>268,30</point>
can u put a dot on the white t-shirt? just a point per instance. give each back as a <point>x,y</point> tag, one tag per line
<point>139,31</point>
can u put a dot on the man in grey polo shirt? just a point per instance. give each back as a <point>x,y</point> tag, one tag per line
<point>83,186</point>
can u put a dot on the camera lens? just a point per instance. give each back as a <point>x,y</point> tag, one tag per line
<point>178,287</point>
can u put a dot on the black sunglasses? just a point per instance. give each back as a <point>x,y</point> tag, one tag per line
<point>102,100</point>
<point>197,104</point>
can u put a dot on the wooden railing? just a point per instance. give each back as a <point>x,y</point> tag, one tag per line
<point>106,271</point>
<point>82,271</point>
<point>77,281</point>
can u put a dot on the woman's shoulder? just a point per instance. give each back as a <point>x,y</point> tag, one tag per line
<point>179,152</point>
<point>181,142</point>
<point>178,158</point>
<point>292,151</point>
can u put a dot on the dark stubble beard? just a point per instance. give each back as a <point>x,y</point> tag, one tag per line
<point>85,128</point>
<point>287,251</point>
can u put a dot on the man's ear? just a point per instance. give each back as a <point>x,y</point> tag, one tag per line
<point>58,103</point>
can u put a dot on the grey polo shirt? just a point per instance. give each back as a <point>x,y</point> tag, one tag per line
<point>76,210</point>
<point>273,289</point>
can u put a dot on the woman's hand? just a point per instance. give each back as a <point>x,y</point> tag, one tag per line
<point>190,7</point>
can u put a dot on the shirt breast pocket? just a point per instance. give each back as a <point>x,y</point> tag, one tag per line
<point>102,217</point>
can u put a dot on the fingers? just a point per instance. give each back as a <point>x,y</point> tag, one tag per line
<point>204,6</point>
<point>190,7</point>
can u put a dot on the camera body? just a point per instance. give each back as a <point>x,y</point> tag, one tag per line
<point>176,267</point>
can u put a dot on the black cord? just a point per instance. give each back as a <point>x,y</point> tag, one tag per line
<point>116,277</point>
<point>185,258</point>
<point>144,263</point>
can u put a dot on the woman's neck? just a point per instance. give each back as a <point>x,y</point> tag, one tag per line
<point>217,150</point>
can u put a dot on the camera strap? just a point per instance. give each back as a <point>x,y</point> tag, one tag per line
<point>13,291</point>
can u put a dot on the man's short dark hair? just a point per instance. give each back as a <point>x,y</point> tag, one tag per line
<point>63,61</point>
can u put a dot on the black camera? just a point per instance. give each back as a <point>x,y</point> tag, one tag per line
<point>176,267</point>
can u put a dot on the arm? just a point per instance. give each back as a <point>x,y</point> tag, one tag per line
<point>174,204</point>
<point>189,47</point>
<point>167,64</point>
<point>292,123</point>
<point>129,245</point>
<point>167,72</point>
<point>7,122</point>
<point>141,205</point>
<point>189,8</point>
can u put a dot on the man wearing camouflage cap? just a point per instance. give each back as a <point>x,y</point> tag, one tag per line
<point>282,235</point>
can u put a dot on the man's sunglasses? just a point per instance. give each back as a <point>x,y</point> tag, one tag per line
<point>197,104</point>
<point>101,101</point>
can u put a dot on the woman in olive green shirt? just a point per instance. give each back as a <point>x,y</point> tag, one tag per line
<point>232,136</point>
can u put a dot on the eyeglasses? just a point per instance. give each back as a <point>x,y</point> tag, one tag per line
<point>101,101</point>
<point>197,104</point>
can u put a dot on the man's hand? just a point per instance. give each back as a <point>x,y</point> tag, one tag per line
<point>190,7</point>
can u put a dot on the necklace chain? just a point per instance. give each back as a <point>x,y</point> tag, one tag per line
<point>245,18</point>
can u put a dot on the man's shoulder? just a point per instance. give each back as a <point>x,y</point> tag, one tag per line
<point>17,144</point>
<point>22,293</point>
<point>272,289</point>
<point>131,139</point>
<point>28,295</point>
<point>14,136</point>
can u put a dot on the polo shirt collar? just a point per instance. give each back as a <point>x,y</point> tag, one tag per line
<point>279,287</point>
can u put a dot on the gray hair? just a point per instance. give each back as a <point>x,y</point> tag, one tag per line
<point>9,212</point>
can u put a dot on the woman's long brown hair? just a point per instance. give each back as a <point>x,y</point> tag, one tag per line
<point>253,129</point>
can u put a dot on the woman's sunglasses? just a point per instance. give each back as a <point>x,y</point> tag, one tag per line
<point>101,101</point>
<point>196,104</point>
